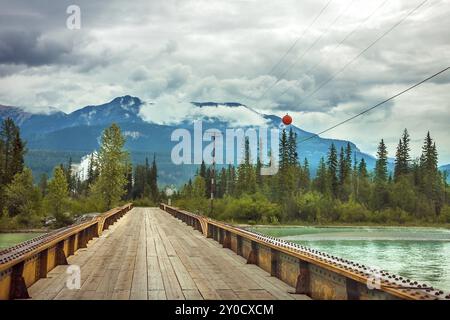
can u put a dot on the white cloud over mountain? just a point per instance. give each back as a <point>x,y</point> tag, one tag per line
<point>174,52</point>
<point>168,110</point>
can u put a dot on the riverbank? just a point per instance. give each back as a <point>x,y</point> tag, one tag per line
<point>36,230</point>
<point>12,238</point>
<point>346,225</point>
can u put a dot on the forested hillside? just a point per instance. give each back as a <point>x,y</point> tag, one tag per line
<point>343,190</point>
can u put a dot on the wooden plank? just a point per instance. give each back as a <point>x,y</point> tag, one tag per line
<point>170,280</point>
<point>183,276</point>
<point>157,295</point>
<point>112,262</point>
<point>149,254</point>
<point>228,294</point>
<point>139,286</point>
<point>204,285</point>
<point>154,276</point>
<point>192,295</point>
<point>121,295</point>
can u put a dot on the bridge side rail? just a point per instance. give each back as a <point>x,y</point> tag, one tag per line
<point>316,274</point>
<point>24,264</point>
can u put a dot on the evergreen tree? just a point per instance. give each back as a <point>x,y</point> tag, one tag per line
<point>92,173</point>
<point>146,181</point>
<point>284,153</point>
<point>23,198</point>
<point>246,176</point>
<point>398,161</point>
<point>406,150</point>
<point>70,177</point>
<point>199,187</point>
<point>304,180</point>
<point>231,180</point>
<point>380,194</point>
<point>259,165</point>
<point>222,186</point>
<point>188,189</point>
<point>208,182</point>
<point>342,167</point>
<point>6,135</point>
<point>43,184</point>
<point>292,148</point>
<point>58,197</point>
<point>345,172</point>
<point>402,157</point>
<point>140,176</point>
<point>202,172</point>
<point>355,178</point>
<point>430,180</point>
<point>2,161</point>
<point>147,178</point>
<point>381,171</point>
<point>348,158</point>
<point>129,178</point>
<point>18,152</point>
<point>362,169</point>
<point>332,171</point>
<point>321,181</point>
<point>154,193</point>
<point>289,170</point>
<point>112,160</point>
<point>363,185</point>
<point>80,187</point>
<point>429,159</point>
<point>12,151</point>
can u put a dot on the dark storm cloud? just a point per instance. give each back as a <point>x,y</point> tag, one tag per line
<point>30,48</point>
<point>194,50</point>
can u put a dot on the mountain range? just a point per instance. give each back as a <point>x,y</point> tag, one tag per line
<point>54,137</point>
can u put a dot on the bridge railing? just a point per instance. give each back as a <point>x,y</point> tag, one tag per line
<point>25,263</point>
<point>316,274</point>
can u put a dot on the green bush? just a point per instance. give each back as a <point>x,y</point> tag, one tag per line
<point>249,208</point>
<point>403,194</point>
<point>23,201</point>
<point>7,223</point>
<point>444,217</point>
<point>352,212</point>
<point>314,207</point>
<point>424,208</point>
<point>197,205</point>
<point>144,202</point>
<point>396,215</point>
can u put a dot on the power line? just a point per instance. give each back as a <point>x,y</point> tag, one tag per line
<point>361,23</point>
<point>298,39</point>
<point>305,52</point>
<point>376,106</point>
<point>363,51</point>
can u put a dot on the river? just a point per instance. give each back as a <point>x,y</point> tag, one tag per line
<point>421,254</point>
<point>9,239</point>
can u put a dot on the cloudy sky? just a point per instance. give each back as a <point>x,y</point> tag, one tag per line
<point>175,51</point>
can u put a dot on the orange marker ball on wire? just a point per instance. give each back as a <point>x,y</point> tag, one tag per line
<point>287,119</point>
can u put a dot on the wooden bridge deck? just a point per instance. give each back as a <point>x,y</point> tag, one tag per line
<point>148,254</point>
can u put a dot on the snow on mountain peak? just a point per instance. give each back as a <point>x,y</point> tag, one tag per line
<point>169,111</point>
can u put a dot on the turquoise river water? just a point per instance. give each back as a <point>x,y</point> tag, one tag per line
<point>10,239</point>
<point>421,254</point>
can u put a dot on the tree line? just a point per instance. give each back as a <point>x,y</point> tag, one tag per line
<point>343,189</point>
<point>65,197</point>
